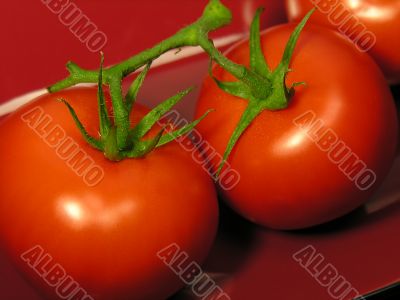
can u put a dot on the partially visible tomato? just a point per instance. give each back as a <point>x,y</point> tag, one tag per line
<point>287,180</point>
<point>105,236</point>
<point>358,20</point>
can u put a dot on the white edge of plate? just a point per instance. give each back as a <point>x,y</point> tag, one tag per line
<point>167,58</point>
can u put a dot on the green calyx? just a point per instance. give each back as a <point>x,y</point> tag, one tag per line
<point>136,146</point>
<point>269,91</point>
<point>263,88</point>
<point>117,140</point>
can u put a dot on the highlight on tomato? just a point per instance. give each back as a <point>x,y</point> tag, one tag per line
<point>311,127</point>
<point>372,26</point>
<point>93,186</point>
<point>75,222</point>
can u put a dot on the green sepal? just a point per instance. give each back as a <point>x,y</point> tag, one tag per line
<point>292,89</point>
<point>263,89</point>
<point>280,95</point>
<point>142,148</point>
<point>258,63</point>
<point>170,136</point>
<point>133,91</point>
<point>95,143</point>
<point>291,44</point>
<point>104,119</point>
<point>253,109</point>
<point>235,88</point>
<point>148,121</point>
<point>117,135</point>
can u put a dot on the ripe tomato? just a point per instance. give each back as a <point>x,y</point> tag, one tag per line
<point>377,19</point>
<point>288,178</point>
<point>102,222</point>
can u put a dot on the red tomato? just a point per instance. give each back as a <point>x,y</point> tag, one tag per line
<point>102,222</point>
<point>359,20</point>
<point>286,180</point>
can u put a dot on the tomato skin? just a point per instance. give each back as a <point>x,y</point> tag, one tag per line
<point>106,236</point>
<point>381,17</point>
<point>287,182</point>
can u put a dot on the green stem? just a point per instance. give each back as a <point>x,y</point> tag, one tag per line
<point>265,89</point>
<point>253,109</point>
<point>215,15</point>
<point>260,87</point>
<point>269,93</point>
<point>121,113</point>
<point>180,39</point>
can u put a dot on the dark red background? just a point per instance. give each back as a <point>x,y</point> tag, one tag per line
<point>36,45</point>
<point>255,263</point>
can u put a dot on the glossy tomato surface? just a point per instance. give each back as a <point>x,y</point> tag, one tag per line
<point>375,19</point>
<point>286,180</point>
<point>103,230</point>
